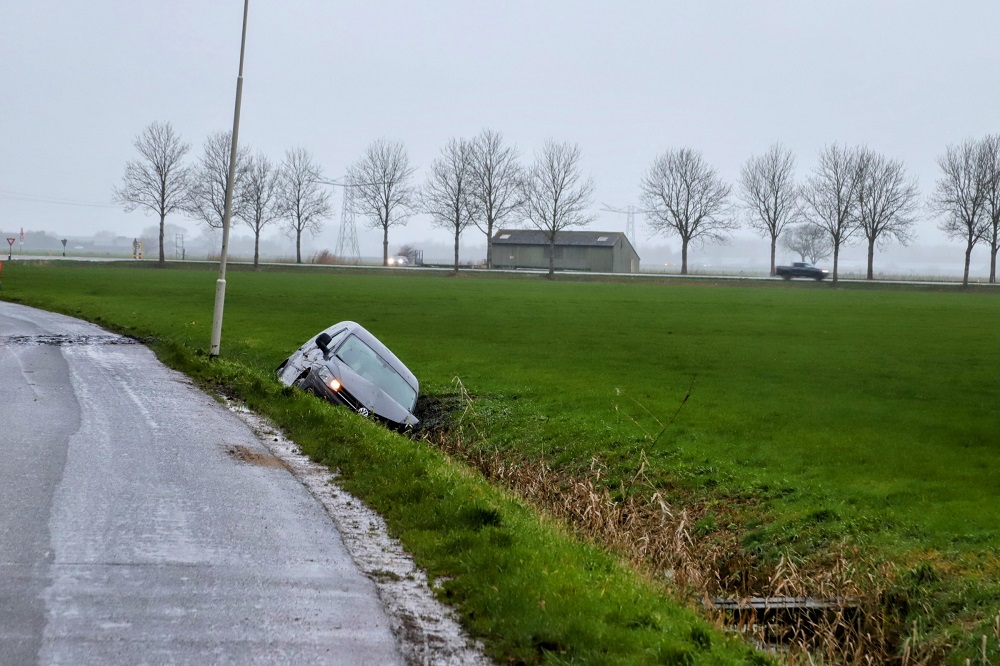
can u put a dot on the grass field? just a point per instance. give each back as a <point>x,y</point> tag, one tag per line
<point>819,421</point>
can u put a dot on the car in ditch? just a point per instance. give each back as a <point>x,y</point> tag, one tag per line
<point>346,365</point>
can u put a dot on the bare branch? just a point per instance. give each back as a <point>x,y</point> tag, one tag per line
<point>810,242</point>
<point>259,198</point>
<point>497,185</point>
<point>447,195</point>
<point>382,190</point>
<point>158,181</point>
<point>206,199</point>
<point>769,193</point>
<point>683,195</point>
<point>829,198</point>
<point>960,195</point>
<point>991,178</point>
<point>556,195</point>
<point>886,199</point>
<point>302,201</point>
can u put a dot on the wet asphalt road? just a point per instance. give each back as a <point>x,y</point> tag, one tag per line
<point>133,529</point>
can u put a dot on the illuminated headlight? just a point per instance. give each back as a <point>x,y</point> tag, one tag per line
<point>332,382</point>
<point>391,261</point>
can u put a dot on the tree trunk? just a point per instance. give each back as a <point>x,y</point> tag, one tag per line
<point>968,259</point>
<point>871,258</point>
<point>256,249</point>
<point>163,220</point>
<point>385,245</point>
<point>774,241</point>
<point>489,251</point>
<point>552,256</point>
<point>684,256</point>
<point>457,234</point>
<point>298,246</point>
<point>993,263</point>
<point>836,258</point>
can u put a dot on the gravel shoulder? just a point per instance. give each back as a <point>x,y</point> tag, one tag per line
<point>426,628</point>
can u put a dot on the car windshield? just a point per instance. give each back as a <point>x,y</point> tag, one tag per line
<point>363,360</point>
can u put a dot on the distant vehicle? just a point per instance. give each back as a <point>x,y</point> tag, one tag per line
<point>399,260</point>
<point>800,269</point>
<point>347,365</point>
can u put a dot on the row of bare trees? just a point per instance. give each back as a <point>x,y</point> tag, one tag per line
<point>161,181</point>
<point>852,193</point>
<point>477,181</point>
<point>967,196</point>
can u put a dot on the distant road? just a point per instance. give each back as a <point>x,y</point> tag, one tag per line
<point>142,522</point>
<point>746,278</point>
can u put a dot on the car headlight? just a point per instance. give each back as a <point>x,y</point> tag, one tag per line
<point>327,377</point>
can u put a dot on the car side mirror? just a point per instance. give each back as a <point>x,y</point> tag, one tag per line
<point>323,342</point>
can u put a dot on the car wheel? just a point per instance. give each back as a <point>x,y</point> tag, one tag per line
<point>364,412</point>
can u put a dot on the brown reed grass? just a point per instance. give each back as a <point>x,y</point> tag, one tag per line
<point>657,538</point>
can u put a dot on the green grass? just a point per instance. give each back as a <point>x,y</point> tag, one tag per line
<point>851,415</point>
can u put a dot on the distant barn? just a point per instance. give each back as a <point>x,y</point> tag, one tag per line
<point>596,251</point>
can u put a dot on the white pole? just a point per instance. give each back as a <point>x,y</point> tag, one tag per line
<point>220,284</point>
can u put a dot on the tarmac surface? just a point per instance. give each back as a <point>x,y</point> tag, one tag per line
<point>143,522</point>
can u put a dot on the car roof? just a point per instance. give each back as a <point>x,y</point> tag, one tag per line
<point>365,336</point>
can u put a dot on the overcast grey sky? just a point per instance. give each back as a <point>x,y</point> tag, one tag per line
<point>624,80</point>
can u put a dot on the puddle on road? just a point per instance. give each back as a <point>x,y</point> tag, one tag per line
<point>66,340</point>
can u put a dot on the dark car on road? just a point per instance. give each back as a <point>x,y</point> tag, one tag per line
<point>347,365</point>
<point>800,269</point>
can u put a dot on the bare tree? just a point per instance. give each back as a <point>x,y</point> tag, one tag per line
<point>411,253</point>
<point>810,242</point>
<point>497,177</point>
<point>991,156</point>
<point>556,195</point>
<point>960,196</point>
<point>382,189</point>
<point>769,193</point>
<point>207,193</point>
<point>158,180</point>
<point>886,200</point>
<point>302,200</point>
<point>258,196</point>
<point>829,198</point>
<point>447,195</point>
<point>683,195</point>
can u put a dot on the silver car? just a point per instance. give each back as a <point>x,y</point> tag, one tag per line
<point>347,365</point>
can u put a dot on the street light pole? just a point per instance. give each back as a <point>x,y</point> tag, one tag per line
<point>220,284</point>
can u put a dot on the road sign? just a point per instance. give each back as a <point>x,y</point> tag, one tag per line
<point>10,241</point>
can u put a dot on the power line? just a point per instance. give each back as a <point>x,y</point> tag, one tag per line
<point>35,198</point>
<point>629,212</point>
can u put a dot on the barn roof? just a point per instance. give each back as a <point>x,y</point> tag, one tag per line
<point>538,237</point>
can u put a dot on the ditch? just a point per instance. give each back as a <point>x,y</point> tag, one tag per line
<point>839,606</point>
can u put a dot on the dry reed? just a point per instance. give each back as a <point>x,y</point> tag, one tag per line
<point>658,538</point>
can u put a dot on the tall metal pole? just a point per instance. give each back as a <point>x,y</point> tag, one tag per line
<point>220,284</point>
